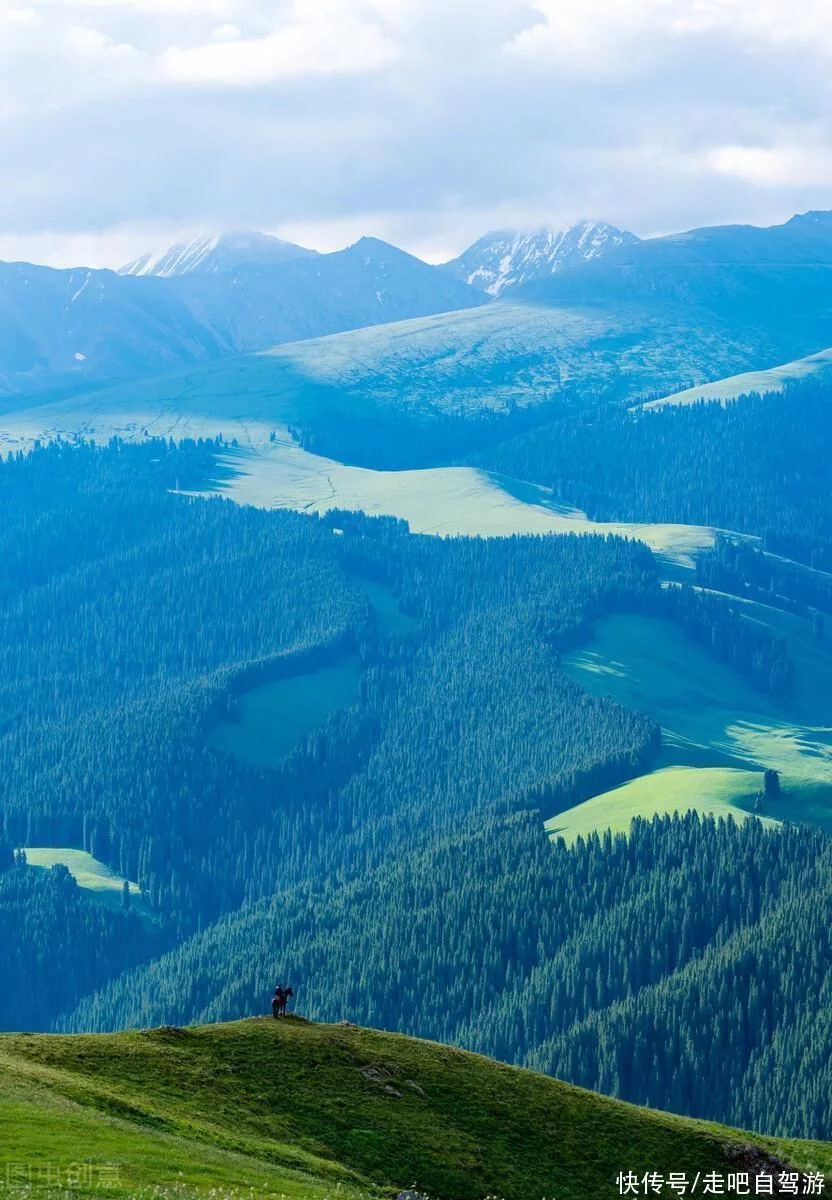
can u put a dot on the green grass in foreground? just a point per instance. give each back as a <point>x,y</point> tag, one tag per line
<point>292,1109</point>
<point>719,734</point>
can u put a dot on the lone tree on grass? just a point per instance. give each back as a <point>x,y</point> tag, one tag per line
<point>771,784</point>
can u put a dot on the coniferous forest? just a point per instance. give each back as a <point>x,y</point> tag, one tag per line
<point>759,465</point>
<point>391,861</point>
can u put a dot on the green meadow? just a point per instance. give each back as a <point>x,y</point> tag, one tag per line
<point>719,734</point>
<point>274,717</point>
<point>711,791</point>
<point>288,1109</point>
<point>90,874</point>
<point>769,382</point>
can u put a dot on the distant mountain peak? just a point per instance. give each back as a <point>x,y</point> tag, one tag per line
<point>367,240</point>
<point>817,216</point>
<point>210,253</point>
<point>374,248</point>
<point>506,258</point>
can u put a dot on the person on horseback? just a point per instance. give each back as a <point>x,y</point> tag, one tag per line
<point>280,999</point>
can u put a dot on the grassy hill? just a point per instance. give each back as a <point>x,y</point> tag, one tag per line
<point>294,1109</point>
<point>772,381</point>
<point>719,734</point>
<point>455,373</point>
<point>269,470</point>
<point>711,791</point>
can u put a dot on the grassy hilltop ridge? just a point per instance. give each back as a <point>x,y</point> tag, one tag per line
<point>258,1108</point>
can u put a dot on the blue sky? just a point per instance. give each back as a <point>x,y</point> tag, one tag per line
<point>124,123</point>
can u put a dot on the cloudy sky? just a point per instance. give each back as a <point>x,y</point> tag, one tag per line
<point>124,123</point>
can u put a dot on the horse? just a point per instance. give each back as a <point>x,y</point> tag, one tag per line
<point>279,1001</point>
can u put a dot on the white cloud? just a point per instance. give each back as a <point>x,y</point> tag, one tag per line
<point>108,248</point>
<point>226,33</point>
<point>209,9</point>
<point>783,166</point>
<point>318,45</point>
<point>88,42</point>
<point>17,16</point>
<point>424,121</point>
<point>776,22</point>
<point>620,35</point>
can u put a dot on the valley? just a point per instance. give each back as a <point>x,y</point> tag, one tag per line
<point>312,671</point>
<point>414,393</point>
<point>716,729</point>
<point>267,468</point>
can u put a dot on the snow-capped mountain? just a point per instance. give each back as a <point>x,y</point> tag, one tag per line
<point>212,253</point>
<point>504,258</point>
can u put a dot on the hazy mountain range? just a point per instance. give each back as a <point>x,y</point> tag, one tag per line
<point>193,304</point>
<point>765,290</point>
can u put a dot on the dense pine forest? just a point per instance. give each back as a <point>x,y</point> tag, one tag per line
<point>57,942</point>
<point>132,619</point>
<point>619,963</point>
<point>740,568</point>
<point>758,465</point>
<point>389,860</point>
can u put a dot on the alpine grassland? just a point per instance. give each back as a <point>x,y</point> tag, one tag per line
<point>286,1108</point>
<point>719,734</point>
<point>91,875</point>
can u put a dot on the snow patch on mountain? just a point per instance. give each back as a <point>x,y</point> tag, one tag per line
<point>178,259</point>
<point>210,253</point>
<point>504,259</point>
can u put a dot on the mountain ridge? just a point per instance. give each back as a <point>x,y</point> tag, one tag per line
<point>80,327</point>
<point>766,290</point>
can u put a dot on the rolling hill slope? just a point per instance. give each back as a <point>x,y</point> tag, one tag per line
<point>419,392</point>
<point>719,734</point>
<point>299,1110</point>
<point>773,381</point>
